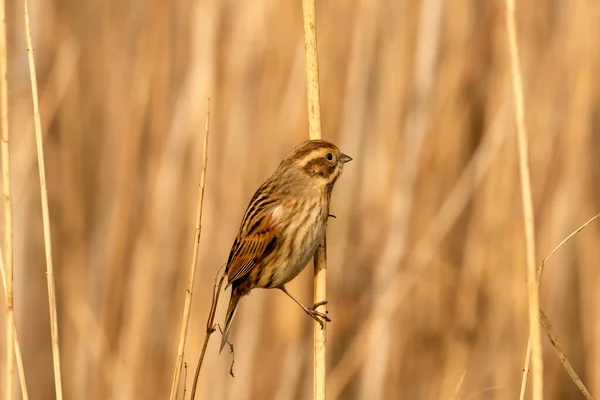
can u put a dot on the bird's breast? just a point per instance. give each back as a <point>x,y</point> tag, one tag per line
<point>304,234</point>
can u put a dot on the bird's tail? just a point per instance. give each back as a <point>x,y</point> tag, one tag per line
<point>236,295</point>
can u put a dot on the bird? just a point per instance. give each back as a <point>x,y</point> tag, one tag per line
<point>283,225</point>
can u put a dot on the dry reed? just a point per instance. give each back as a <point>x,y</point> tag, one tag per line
<point>523,142</point>
<point>313,97</point>
<point>190,288</point>
<point>8,218</point>
<point>45,209</point>
<point>211,327</point>
<point>561,355</point>
<point>545,322</point>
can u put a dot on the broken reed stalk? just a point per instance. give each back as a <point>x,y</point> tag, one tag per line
<point>210,328</point>
<point>562,357</point>
<point>523,148</point>
<point>314,126</point>
<point>8,221</point>
<point>189,291</point>
<point>45,210</point>
<point>548,328</point>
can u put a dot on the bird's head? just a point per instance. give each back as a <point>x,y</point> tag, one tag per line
<point>319,160</point>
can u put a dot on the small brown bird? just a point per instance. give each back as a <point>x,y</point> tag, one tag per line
<point>283,225</point>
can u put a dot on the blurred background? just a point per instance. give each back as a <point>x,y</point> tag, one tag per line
<point>426,261</point>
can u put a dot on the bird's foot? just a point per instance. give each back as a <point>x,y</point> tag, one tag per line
<point>318,316</point>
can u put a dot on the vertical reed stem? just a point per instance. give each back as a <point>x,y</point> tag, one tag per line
<point>8,221</point>
<point>189,292</point>
<point>45,210</point>
<point>523,146</point>
<point>314,125</point>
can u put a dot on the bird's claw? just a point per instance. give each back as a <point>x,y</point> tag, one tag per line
<point>317,315</point>
<point>319,304</point>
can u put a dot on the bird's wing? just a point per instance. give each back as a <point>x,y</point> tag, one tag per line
<point>251,247</point>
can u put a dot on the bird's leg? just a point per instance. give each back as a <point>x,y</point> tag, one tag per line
<point>316,315</point>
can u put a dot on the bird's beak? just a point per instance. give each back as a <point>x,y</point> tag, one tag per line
<point>344,158</point>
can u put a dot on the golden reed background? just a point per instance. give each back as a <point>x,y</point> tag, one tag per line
<point>426,256</point>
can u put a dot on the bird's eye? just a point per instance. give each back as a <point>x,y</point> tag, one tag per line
<point>329,156</point>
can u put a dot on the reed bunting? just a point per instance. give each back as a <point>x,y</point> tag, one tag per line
<point>283,225</point>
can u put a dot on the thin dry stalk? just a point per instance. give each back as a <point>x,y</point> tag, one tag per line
<point>189,292</point>
<point>314,126</point>
<point>561,355</point>
<point>525,370</point>
<point>8,221</point>
<point>18,356</point>
<point>45,209</point>
<point>523,146</point>
<point>210,328</point>
<point>548,328</point>
<point>561,244</point>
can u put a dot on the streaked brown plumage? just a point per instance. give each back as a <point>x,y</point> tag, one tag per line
<point>284,224</point>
